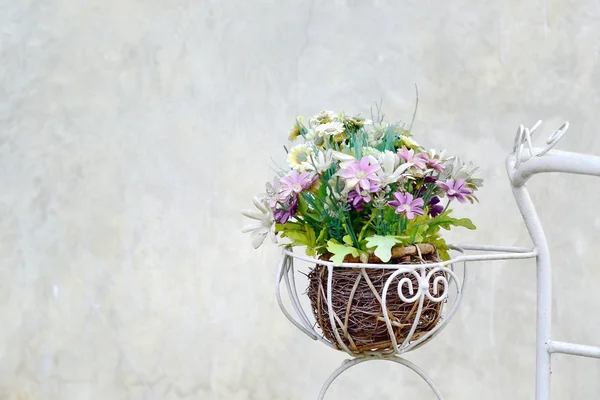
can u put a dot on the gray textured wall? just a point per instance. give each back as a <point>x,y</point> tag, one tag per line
<point>132,133</point>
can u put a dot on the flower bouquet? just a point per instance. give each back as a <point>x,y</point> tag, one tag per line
<point>364,191</point>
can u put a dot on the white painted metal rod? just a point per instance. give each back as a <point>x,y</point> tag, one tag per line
<point>511,255</point>
<point>574,349</point>
<point>557,161</point>
<point>350,363</point>
<point>487,247</point>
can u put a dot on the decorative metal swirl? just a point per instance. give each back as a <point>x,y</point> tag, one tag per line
<point>425,287</point>
<point>408,282</point>
<point>523,138</point>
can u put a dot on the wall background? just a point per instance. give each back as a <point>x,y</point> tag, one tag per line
<point>133,132</point>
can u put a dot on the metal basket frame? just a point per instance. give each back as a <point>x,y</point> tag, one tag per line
<point>524,162</point>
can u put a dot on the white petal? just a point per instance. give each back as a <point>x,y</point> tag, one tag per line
<point>253,215</point>
<point>403,168</point>
<point>258,237</point>
<point>342,156</point>
<point>372,160</point>
<point>250,228</point>
<point>389,161</point>
<point>259,204</point>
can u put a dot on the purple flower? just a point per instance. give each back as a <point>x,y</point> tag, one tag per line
<point>420,192</point>
<point>357,198</point>
<point>360,173</point>
<point>409,156</point>
<point>286,210</point>
<point>405,204</point>
<point>435,208</point>
<point>430,179</point>
<point>294,183</point>
<point>433,163</point>
<point>455,190</point>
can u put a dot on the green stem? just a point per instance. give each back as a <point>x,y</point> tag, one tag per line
<point>363,230</point>
<point>342,213</point>
<point>447,205</point>
<point>403,223</point>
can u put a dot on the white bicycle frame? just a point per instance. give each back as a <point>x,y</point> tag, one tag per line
<point>524,162</point>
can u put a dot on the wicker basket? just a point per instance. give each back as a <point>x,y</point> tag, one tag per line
<point>356,301</point>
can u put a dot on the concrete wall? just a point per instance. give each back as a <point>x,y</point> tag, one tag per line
<point>133,132</point>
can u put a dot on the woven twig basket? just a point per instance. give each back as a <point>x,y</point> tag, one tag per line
<point>357,301</point>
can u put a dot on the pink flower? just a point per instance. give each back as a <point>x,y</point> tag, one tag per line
<point>433,163</point>
<point>360,173</point>
<point>455,190</point>
<point>405,204</point>
<point>409,157</point>
<point>295,183</point>
<point>273,191</point>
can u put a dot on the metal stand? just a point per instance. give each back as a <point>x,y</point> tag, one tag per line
<point>524,162</point>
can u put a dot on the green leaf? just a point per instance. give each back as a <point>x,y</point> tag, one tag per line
<point>289,226</point>
<point>441,247</point>
<point>465,223</point>
<point>447,222</point>
<point>417,233</point>
<point>340,251</point>
<point>322,237</point>
<point>311,237</point>
<point>383,245</point>
<point>348,240</point>
<point>302,206</point>
<point>298,238</point>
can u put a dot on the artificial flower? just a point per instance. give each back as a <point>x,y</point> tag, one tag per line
<point>295,183</point>
<point>409,157</point>
<point>319,162</point>
<point>457,169</point>
<point>456,190</point>
<point>286,210</point>
<point>433,163</point>
<point>264,226</point>
<point>330,129</point>
<point>273,192</point>
<point>407,205</point>
<point>391,170</point>
<point>296,130</point>
<point>435,208</point>
<point>409,142</point>
<point>357,121</point>
<point>322,118</point>
<point>298,155</point>
<point>357,197</point>
<point>361,173</point>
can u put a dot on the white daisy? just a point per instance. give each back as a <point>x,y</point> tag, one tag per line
<point>298,155</point>
<point>322,118</point>
<point>330,129</point>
